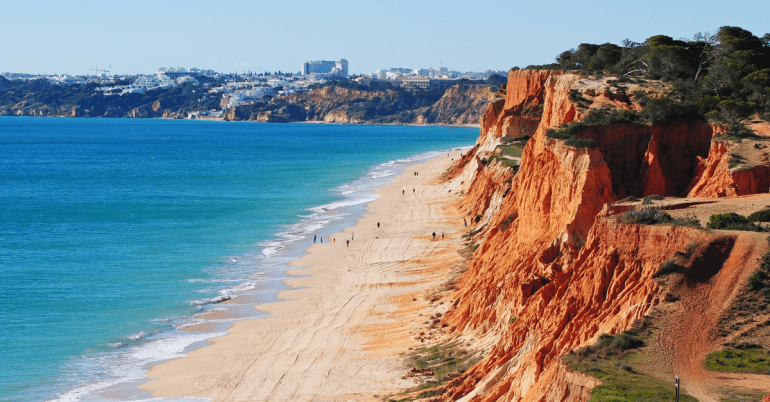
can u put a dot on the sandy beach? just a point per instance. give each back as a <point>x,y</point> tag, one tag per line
<point>355,311</point>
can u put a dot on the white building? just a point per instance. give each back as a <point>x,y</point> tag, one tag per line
<point>248,96</point>
<point>339,68</point>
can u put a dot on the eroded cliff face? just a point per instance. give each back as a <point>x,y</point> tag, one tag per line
<point>457,105</point>
<point>551,273</point>
<point>716,178</point>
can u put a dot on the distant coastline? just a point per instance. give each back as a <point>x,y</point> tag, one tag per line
<point>461,104</point>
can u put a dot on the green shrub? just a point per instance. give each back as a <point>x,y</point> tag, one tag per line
<point>663,110</point>
<point>757,280</point>
<point>689,221</point>
<point>576,97</point>
<point>735,160</point>
<point>607,117</point>
<point>649,216</point>
<point>765,117</point>
<point>732,221</point>
<point>557,134</point>
<point>667,268</point>
<point>765,264</point>
<point>650,198</point>
<point>507,221</point>
<point>760,216</point>
<point>581,143</point>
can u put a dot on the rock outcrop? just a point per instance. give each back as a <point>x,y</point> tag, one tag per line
<point>457,105</point>
<point>716,178</point>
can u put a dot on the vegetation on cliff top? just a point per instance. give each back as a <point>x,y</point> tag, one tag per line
<point>611,359</point>
<point>723,76</point>
<point>749,360</point>
<point>732,221</point>
<point>656,111</point>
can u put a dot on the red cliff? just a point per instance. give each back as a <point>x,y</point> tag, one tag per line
<point>549,275</point>
<point>716,178</point>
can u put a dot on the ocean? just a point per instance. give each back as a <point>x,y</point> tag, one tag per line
<point>116,234</point>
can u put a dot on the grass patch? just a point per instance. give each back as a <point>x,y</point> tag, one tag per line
<point>750,360</point>
<point>436,366</point>
<point>738,395</point>
<point>608,360</point>
<point>509,163</point>
<point>510,150</point>
<point>505,151</point>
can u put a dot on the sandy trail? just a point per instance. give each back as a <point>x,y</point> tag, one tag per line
<point>339,333</point>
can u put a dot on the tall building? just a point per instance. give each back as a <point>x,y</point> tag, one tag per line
<point>326,67</point>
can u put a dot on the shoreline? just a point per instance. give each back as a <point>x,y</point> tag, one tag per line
<point>220,119</point>
<point>351,310</point>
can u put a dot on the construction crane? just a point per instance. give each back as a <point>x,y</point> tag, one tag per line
<point>96,70</point>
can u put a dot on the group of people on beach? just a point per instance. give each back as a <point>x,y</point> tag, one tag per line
<point>403,192</point>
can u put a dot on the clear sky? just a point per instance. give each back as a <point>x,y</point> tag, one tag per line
<point>137,37</point>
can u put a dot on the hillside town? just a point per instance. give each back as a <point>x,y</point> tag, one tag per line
<point>249,87</point>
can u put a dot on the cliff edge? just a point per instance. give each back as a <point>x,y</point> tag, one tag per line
<point>555,267</point>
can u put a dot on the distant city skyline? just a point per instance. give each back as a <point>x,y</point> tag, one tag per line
<point>236,36</point>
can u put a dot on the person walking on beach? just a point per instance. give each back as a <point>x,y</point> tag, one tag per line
<point>378,225</point>
<point>434,235</point>
<point>402,192</point>
<point>322,239</point>
<point>442,237</point>
<point>348,243</point>
<point>313,238</point>
<point>465,221</point>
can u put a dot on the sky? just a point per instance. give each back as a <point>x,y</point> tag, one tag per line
<point>233,36</point>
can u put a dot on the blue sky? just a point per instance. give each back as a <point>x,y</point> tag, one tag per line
<point>232,36</point>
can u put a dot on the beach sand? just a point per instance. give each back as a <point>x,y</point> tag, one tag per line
<point>343,333</point>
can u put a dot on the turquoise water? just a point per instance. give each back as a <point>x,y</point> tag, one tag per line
<point>115,233</point>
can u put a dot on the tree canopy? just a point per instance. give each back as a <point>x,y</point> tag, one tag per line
<point>728,68</point>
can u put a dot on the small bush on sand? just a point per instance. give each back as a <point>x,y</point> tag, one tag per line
<point>667,268</point>
<point>760,216</point>
<point>757,280</point>
<point>649,216</point>
<point>732,221</point>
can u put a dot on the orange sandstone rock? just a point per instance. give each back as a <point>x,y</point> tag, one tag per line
<point>714,178</point>
<point>546,259</point>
